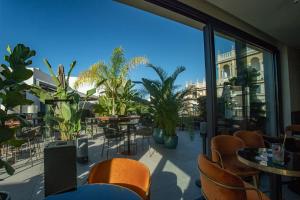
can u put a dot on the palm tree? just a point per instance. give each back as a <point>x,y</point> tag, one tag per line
<point>165,100</point>
<point>112,76</point>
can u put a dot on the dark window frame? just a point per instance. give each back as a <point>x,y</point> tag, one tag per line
<point>213,25</point>
<point>218,25</point>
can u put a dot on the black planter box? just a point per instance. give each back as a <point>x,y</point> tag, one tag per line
<point>60,167</point>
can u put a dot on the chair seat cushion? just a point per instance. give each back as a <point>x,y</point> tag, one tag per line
<point>232,164</point>
<point>253,195</point>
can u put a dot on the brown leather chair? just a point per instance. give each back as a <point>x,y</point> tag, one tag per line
<point>223,148</point>
<point>124,172</point>
<point>252,139</point>
<point>221,184</point>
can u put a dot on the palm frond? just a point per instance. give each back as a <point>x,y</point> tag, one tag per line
<point>160,72</point>
<point>90,76</point>
<point>117,60</point>
<point>177,71</point>
<point>133,62</point>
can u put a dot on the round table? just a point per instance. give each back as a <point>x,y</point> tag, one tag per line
<point>261,159</point>
<point>96,192</point>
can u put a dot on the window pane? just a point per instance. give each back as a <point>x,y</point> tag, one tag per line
<point>245,89</point>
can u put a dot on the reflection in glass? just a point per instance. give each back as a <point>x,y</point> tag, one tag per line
<point>243,74</point>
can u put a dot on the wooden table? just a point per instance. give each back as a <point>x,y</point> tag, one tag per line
<point>261,159</point>
<point>97,192</point>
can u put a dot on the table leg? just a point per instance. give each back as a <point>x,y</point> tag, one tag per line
<point>198,182</point>
<point>128,151</point>
<point>203,143</point>
<point>276,188</point>
<point>128,140</point>
<point>295,186</point>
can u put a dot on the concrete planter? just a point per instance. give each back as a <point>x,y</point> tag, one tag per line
<point>171,142</point>
<point>158,135</point>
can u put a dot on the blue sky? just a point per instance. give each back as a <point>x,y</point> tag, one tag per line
<point>87,31</point>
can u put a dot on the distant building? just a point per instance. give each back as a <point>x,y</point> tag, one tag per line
<point>226,70</point>
<point>84,87</point>
<point>198,89</point>
<point>227,67</point>
<point>44,80</point>
<point>235,106</point>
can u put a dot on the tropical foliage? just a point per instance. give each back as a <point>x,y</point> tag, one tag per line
<point>112,80</point>
<point>165,100</point>
<point>66,103</point>
<point>12,88</point>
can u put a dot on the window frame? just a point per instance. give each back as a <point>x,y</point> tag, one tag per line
<point>213,25</point>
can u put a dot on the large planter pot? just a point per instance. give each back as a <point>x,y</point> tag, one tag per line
<point>171,142</point>
<point>60,170</point>
<point>4,195</point>
<point>82,151</point>
<point>158,135</point>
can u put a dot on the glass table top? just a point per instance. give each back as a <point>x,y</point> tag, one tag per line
<point>97,192</point>
<point>262,159</point>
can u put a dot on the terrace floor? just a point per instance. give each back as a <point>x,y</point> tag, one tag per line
<point>173,171</point>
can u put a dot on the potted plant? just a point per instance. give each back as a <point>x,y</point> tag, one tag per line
<point>12,88</point>
<point>154,104</point>
<point>165,103</point>
<point>65,104</point>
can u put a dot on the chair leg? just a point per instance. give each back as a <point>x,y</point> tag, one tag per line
<point>35,147</point>
<point>148,143</point>
<point>107,149</point>
<point>15,154</point>
<point>118,140</point>
<point>255,179</point>
<point>103,147</point>
<point>6,152</point>
<point>143,137</point>
<point>30,152</point>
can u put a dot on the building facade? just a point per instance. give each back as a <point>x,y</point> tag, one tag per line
<point>234,97</point>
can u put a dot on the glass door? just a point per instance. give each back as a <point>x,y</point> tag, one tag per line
<point>244,87</point>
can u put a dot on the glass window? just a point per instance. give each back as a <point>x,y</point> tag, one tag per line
<point>242,74</point>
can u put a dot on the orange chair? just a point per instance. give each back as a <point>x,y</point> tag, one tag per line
<point>124,172</point>
<point>252,139</point>
<point>221,184</point>
<point>223,148</point>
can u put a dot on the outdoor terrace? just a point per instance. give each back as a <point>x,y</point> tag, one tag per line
<point>173,172</point>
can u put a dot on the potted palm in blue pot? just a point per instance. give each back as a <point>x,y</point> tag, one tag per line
<point>165,103</point>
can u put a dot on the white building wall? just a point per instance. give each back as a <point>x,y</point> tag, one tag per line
<point>82,88</point>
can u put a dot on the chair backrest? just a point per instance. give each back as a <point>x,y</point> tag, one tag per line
<point>252,139</point>
<point>122,171</point>
<point>218,183</point>
<point>226,145</point>
<point>110,132</point>
<point>294,128</point>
